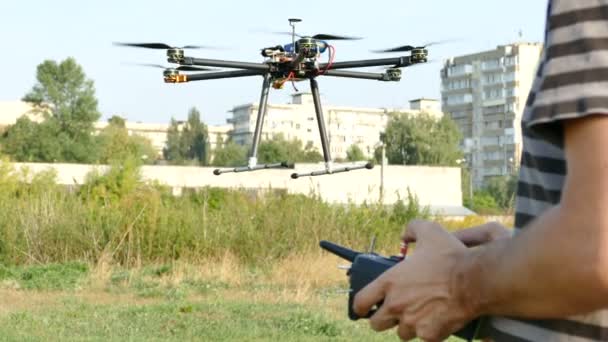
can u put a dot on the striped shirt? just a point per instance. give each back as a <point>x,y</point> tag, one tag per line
<point>571,82</point>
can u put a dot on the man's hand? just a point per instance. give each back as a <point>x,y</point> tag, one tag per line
<point>483,234</point>
<point>419,292</point>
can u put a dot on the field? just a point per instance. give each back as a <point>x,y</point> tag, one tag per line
<point>218,301</point>
<point>117,259</point>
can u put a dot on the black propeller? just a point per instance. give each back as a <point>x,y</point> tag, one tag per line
<point>406,48</point>
<point>179,68</point>
<point>162,46</point>
<point>321,36</point>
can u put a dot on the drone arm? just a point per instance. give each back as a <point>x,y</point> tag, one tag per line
<point>225,64</point>
<point>396,62</point>
<point>223,74</point>
<point>356,74</point>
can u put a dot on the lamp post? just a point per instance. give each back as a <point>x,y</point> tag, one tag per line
<point>382,163</point>
<point>466,165</point>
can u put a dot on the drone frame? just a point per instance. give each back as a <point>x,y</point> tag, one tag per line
<point>306,67</point>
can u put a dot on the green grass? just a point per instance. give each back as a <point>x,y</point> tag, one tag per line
<point>143,305</point>
<point>217,320</point>
<point>45,277</point>
<point>256,274</point>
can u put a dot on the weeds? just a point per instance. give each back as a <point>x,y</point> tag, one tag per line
<point>116,218</point>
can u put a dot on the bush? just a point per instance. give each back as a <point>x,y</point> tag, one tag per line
<point>116,217</point>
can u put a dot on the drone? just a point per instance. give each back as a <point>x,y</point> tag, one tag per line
<point>292,62</point>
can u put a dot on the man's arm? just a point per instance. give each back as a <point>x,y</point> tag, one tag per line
<point>558,266</point>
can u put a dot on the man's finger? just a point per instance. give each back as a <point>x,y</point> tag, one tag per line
<point>406,332</point>
<point>369,296</point>
<point>481,234</point>
<point>383,320</point>
<point>418,229</point>
<point>473,236</point>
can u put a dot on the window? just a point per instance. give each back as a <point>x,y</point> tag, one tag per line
<point>460,69</point>
<point>511,92</point>
<point>493,110</point>
<point>492,78</point>
<point>487,141</point>
<point>490,64</point>
<point>511,60</point>
<point>507,139</point>
<point>458,114</point>
<point>493,94</point>
<point>459,99</point>
<point>457,84</point>
<point>510,107</point>
<point>492,171</point>
<point>493,124</point>
<point>509,77</point>
<point>492,155</point>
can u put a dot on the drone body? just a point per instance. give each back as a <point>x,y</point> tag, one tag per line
<point>292,62</point>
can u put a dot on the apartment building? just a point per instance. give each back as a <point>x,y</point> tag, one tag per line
<point>345,126</point>
<point>485,94</point>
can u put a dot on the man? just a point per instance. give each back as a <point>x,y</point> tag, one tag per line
<point>549,282</point>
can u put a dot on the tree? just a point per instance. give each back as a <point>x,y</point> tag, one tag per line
<point>502,189</point>
<point>278,149</point>
<point>195,138</point>
<point>66,99</point>
<point>483,203</point>
<point>230,154</point>
<point>174,151</point>
<point>422,140</point>
<point>188,143</point>
<point>354,153</point>
<point>118,146</point>
<point>28,141</point>
<point>310,154</point>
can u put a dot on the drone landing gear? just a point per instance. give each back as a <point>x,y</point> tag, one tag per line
<point>281,165</point>
<point>252,164</point>
<point>314,88</point>
<point>329,170</point>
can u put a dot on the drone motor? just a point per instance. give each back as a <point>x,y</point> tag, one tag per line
<point>393,74</point>
<point>308,46</point>
<point>175,55</point>
<point>418,55</point>
<point>173,76</point>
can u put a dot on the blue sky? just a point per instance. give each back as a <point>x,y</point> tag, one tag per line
<point>32,31</point>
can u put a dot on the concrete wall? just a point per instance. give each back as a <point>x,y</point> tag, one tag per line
<point>434,186</point>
